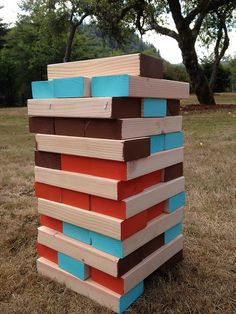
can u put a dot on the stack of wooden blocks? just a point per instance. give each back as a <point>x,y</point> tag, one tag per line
<point>108,175</point>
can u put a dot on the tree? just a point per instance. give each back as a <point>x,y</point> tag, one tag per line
<point>188,18</point>
<point>3,31</point>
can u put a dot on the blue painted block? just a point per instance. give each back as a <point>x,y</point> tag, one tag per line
<point>173,140</point>
<point>72,266</point>
<point>107,244</point>
<point>76,232</point>
<point>69,87</point>
<point>127,299</point>
<point>110,86</point>
<point>157,143</point>
<point>172,233</point>
<point>154,107</point>
<point>176,201</point>
<point>42,89</point>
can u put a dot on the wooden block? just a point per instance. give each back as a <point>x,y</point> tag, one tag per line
<point>124,150</point>
<point>42,89</point>
<point>173,172</point>
<point>173,233</point>
<point>151,263</point>
<point>87,220</point>
<point>52,223</point>
<point>103,187</point>
<point>43,125</point>
<point>133,86</point>
<point>156,210</point>
<point>173,140</point>
<point>47,160</point>
<point>75,198</point>
<point>172,262</point>
<point>154,107</point>
<point>120,170</point>
<point>176,201</point>
<point>134,64</point>
<point>46,252</point>
<point>49,192</point>
<point>77,233</point>
<point>73,266</point>
<point>69,126</point>
<point>157,143</point>
<point>93,257</point>
<point>137,203</point>
<point>173,107</point>
<point>89,288</point>
<point>119,107</point>
<point>61,88</point>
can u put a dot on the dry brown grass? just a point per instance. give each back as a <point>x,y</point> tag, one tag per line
<point>203,283</point>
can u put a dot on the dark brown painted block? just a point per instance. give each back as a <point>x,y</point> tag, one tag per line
<point>151,67</point>
<point>173,172</point>
<point>128,262</point>
<point>43,125</point>
<point>126,107</point>
<point>103,128</point>
<point>173,107</point>
<point>136,149</point>
<point>69,126</point>
<point>48,160</point>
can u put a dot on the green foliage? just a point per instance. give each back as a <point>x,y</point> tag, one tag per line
<point>222,83</point>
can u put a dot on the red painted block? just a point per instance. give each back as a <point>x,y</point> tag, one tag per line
<point>94,166</point>
<point>137,185</point>
<point>108,207</point>
<point>155,210</point>
<point>49,192</point>
<point>75,198</point>
<point>52,223</point>
<point>108,281</point>
<point>133,224</point>
<point>46,252</point>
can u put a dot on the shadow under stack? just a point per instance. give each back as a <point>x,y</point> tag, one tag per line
<point>108,175</point>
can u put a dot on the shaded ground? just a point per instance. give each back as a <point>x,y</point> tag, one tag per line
<point>203,283</point>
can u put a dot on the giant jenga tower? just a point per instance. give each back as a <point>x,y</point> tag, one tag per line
<point>108,175</point>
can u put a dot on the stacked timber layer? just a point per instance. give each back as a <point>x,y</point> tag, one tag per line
<point>108,175</point>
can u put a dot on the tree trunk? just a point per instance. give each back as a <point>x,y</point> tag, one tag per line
<point>69,42</point>
<point>196,74</point>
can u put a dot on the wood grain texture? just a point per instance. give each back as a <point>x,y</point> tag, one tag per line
<point>123,150</point>
<point>47,160</point>
<point>134,64</point>
<point>102,107</point>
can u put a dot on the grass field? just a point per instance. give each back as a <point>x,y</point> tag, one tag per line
<point>221,98</point>
<point>203,283</point>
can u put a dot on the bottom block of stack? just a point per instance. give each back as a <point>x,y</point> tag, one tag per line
<point>66,270</point>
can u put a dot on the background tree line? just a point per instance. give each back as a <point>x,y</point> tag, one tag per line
<point>51,31</point>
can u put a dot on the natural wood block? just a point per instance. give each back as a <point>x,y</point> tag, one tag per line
<point>112,129</point>
<point>134,86</point>
<point>47,160</point>
<point>108,188</point>
<point>124,150</point>
<point>119,107</point>
<point>173,172</point>
<point>61,88</point>
<point>134,64</point>
<point>89,288</point>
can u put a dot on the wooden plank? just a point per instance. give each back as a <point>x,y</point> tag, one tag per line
<point>154,107</point>
<point>134,86</point>
<point>61,88</point>
<point>173,233</point>
<point>151,263</point>
<point>154,162</point>
<point>73,266</point>
<point>103,187</point>
<point>153,195</point>
<point>47,160</point>
<point>134,64</point>
<point>173,172</point>
<point>89,288</point>
<point>102,107</point>
<point>124,150</point>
